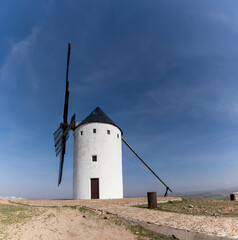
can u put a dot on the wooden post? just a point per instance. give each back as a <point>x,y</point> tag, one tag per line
<point>152,199</point>
<point>234,196</point>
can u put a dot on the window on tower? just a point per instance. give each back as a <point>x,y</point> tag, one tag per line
<point>94,158</point>
<point>94,130</point>
<point>81,133</point>
<point>117,135</point>
<point>108,132</point>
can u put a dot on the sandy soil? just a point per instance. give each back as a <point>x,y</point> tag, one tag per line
<point>67,223</point>
<point>218,226</point>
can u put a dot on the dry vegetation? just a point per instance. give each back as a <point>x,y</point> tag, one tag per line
<point>21,221</point>
<point>11,214</point>
<point>199,206</point>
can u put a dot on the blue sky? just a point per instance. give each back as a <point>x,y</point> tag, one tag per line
<point>164,71</point>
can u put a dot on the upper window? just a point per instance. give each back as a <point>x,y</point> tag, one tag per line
<point>81,133</point>
<point>94,158</point>
<point>108,131</point>
<point>94,130</point>
<point>117,135</point>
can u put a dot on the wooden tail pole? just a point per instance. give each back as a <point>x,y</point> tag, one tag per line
<point>167,188</point>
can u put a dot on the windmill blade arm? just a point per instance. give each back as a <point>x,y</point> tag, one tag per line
<point>167,188</point>
<point>66,102</point>
<point>61,134</point>
<point>61,165</point>
<point>72,122</point>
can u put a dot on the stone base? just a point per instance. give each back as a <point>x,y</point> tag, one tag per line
<point>234,196</point>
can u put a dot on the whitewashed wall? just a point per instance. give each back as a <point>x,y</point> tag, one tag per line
<point>108,167</point>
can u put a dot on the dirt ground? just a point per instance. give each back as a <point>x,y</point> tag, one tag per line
<point>62,219</point>
<point>67,219</point>
<point>64,223</point>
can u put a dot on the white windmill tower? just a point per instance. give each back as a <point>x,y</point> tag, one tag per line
<point>97,158</point>
<point>97,171</point>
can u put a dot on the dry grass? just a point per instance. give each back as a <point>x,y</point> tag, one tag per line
<point>200,206</point>
<point>10,214</point>
<point>143,233</point>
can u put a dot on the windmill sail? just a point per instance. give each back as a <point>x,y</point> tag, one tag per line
<point>61,135</point>
<point>66,100</point>
<point>59,147</point>
<point>61,165</point>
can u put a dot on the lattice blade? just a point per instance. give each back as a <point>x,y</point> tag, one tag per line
<point>58,142</point>
<point>64,139</point>
<point>61,160</point>
<point>61,166</point>
<point>57,135</point>
<point>60,146</point>
<point>59,128</point>
<point>65,133</point>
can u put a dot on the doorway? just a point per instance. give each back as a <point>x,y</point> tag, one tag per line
<point>94,188</point>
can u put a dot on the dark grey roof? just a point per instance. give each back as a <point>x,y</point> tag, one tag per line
<point>97,115</point>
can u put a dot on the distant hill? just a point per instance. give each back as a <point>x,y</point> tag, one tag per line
<point>211,195</point>
<point>223,194</point>
<point>9,198</point>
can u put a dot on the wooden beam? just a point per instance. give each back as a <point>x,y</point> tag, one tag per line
<point>167,188</point>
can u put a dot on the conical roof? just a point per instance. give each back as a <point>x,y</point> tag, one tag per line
<point>97,115</point>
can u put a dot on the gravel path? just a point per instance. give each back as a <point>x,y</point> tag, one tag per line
<point>219,226</point>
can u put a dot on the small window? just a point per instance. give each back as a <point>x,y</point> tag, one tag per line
<point>94,158</point>
<point>108,132</point>
<point>117,135</point>
<point>94,130</point>
<point>81,133</point>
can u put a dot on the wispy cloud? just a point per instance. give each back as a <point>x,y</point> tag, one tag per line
<point>105,74</point>
<point>228,21</point>
<point>203,99</point>
<point>19,62</point>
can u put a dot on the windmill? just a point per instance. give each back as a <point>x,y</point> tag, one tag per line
<point>97,171</point>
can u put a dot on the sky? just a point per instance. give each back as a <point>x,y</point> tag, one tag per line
<point>164,71</point>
